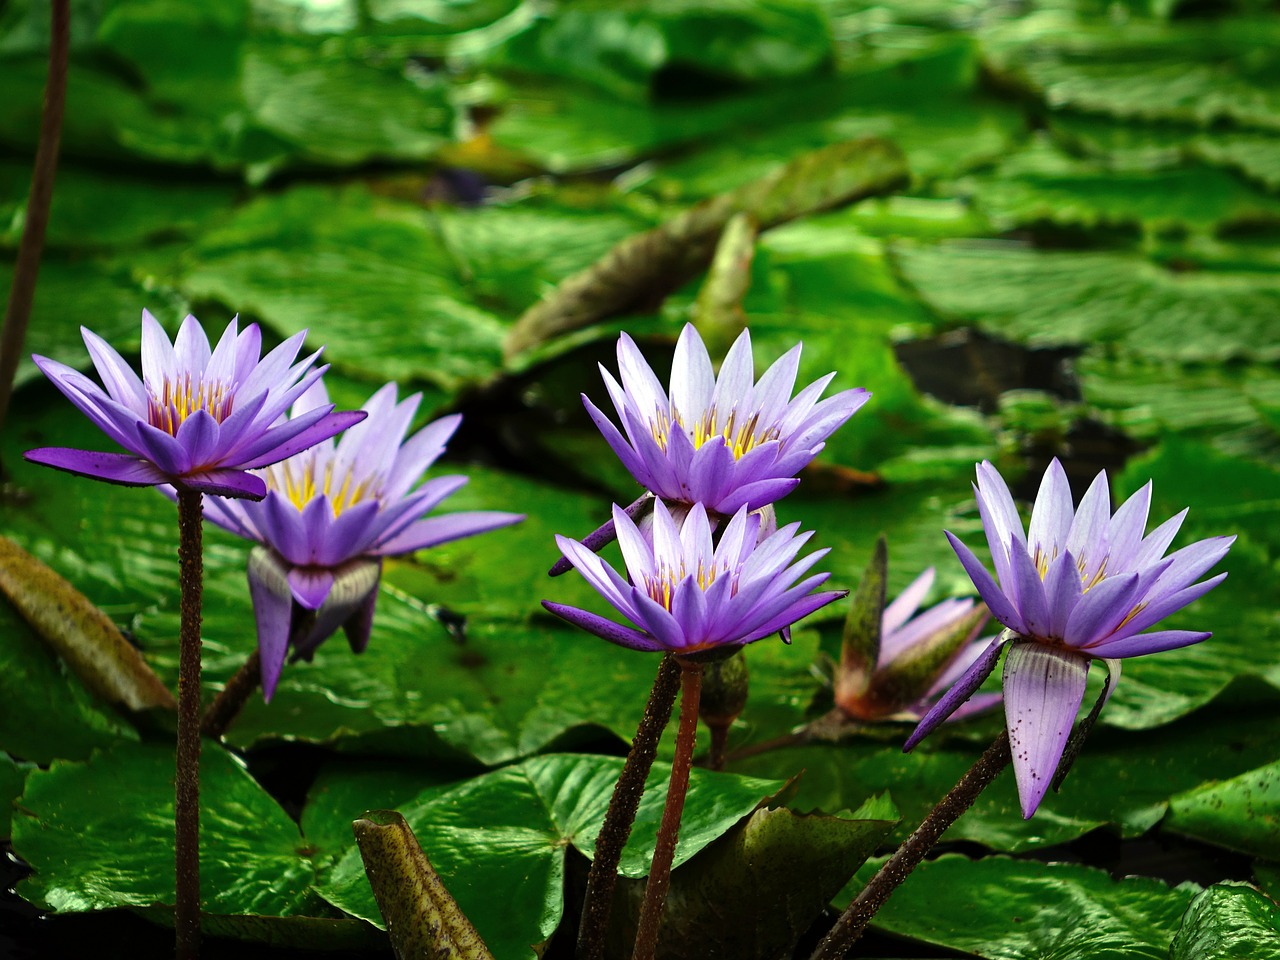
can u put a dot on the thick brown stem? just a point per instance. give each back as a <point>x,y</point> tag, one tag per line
<point>23,291</point>
<point>622,811</point>
<point>186,814</point>
<point>908,856</point>
<point>227,705</point>
<point>655,891</point>
<point>719,740</point>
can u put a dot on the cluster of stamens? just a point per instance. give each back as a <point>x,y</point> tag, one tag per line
<point>661,587</point>
<point>178,399</point>
<point>740,438</point>
<point>306,478</point>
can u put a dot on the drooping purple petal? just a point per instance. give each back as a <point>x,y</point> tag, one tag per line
<point>225,482</point>
<point>1043,689</point>
<point>605,629</point>
<point>113,467</point>
<point>273,614</point>
<point>963,689</point>
<point>310,585</point>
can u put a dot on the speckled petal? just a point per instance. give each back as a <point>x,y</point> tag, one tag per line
<point>963,689</point>
<point>606,629</point>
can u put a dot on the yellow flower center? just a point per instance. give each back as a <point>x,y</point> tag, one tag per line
<point>1042,561</point>
<point>739,437</point>
<point>176,400</point>
<point>301,484</point>
<point>661,587</point>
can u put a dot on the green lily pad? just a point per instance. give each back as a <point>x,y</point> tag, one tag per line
<point>1015,909</point>
<point>1064,299</point>
<point>1191,72</point>
<point>507,831</point>
<point>368,277</point>
<point>91,855</point>
<point>1229,921</point>
<point>1122,780</point>
<point>1242,813</point>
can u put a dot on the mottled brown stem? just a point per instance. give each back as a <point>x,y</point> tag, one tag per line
<point>621,814</point>
<point>186,813</point>
<point>227,705</point>
<point>719,740</point>
<point>22,293</point>
<point>908,856</point>
<point>655,891</point>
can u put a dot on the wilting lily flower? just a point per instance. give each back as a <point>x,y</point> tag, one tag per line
<point>198,418</point>
<point>686,595</point>
<point>720,441</point>
<point>1081,584</point>
<point>895,672</point>
<point>329,517</point>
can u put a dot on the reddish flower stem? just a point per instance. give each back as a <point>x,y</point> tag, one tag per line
<point>622,812</point>
<point>227,705</point>
<point>186,813</point>
<point>897,868</point>
<point>22,293</point>
<point>655,891</point>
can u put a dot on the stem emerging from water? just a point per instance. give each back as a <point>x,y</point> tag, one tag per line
<point>655,891</point>
<point>23,291</point>
<point>908,856</point>
<point>186,814</point>
<point>227,705</point>
<point>622,812</point>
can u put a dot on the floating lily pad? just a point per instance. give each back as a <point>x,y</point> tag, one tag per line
<point>1242,813</point>
<point>498,841</point>
<point>1059,299</point>
<point>91,855</point>
<point>1229,921</point>
<point>1015,909</point>
<point>1122,780</point>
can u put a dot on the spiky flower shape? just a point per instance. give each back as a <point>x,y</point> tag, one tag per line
<point>329,517</point>
<point>687,595</point>
<point>1080,585</point>
<point>720,441</point>
<point>920,655</point>
<point>198,418</point>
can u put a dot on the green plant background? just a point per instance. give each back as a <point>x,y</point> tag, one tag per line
<point>1085,263</point>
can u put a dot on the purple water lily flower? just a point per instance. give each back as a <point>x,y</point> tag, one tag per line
<point>909,642</point>
<point>687,595</point>
<point>329,517</point>
<point>1080,584</point>
<point>720,441</point>
<point>198,418</point>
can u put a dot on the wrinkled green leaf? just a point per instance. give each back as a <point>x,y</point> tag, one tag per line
<point>507,831</point>
<point>13,775</point>
<point>1242,813</point>
<point>1229,920</point>
<point>1055,299</point>
<point>91,855</point>
<point>1015,910</point>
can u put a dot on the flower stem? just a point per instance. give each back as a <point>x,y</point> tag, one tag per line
<point>622,812</point>
<point>22,293</point>
<point>655,891</point>
<point>227,705</point>
<point>908,856</point>
<point>186,814</point>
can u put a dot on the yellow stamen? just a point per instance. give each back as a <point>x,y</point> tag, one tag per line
<point>740,438</point>
<point>176,400</point>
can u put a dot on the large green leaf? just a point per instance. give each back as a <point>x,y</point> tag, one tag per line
<point>1196,71</point>
<point>1063,299</point>
<point>507,831</point>
<point>88,854</point>
<point>1122,780</point>
<point>367,276</point>
<point>1018,910</point>
<point>1229,921</point>
<point>13,776</point>
<point>1242,813</point>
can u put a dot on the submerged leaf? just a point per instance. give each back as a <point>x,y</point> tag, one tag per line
<point>82,634</point>
<point>645,267</point>
<point>423,919</point>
